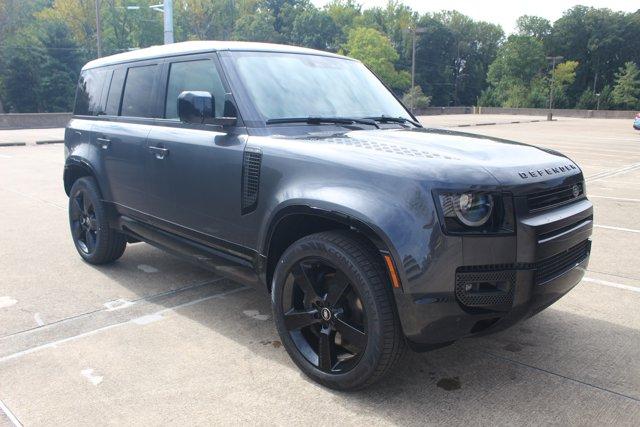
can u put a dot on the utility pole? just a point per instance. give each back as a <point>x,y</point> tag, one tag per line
<point>167,8</point>
<point>414,31</point>
<point>168,21</point>
<point>551,89</point>
<point>98,30</point>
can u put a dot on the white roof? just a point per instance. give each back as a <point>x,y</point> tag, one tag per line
<point>199,47</point>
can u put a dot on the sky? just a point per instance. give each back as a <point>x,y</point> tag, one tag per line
<point>504,13</point>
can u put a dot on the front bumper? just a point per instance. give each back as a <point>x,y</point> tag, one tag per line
<point>546,258</point>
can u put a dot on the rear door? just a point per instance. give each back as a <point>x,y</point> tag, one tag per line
<point>196,167</point>
<point>122,132</point>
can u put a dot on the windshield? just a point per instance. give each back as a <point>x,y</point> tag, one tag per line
<point>283,85</point>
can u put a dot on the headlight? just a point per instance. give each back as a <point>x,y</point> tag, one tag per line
<point>472,209</point>
<point>476,212</point>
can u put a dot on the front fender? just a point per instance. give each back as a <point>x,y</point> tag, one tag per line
<point>403,221</point>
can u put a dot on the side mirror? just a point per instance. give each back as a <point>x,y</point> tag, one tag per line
<point>200,108</point>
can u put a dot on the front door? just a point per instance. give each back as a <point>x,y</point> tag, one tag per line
<point>194,172</point>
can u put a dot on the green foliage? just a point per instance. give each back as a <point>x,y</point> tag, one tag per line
<point>315,29</point>
<point>459,61</point>
<point>534,26</point>
<point>589,99</point>
<point>415,98</point>
<point>257,27</point>
<point>375,50</point>
<point>626,92</point>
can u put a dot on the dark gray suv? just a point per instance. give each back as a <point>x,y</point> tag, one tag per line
<point>299,172</point>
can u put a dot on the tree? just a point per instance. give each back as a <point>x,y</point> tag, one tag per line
<point>315,29</point>
<point>626,92</point>
<point>344,14</point>
<point>589,100</point>
<point>534,26</point>
<point>516,71</point>
<point>561,78</point>
<point>374,49</point>
<point>257,28</point>
<point>416,98</point>
<point>21,69</point>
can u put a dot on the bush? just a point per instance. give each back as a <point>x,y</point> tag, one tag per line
<point>415,98</point>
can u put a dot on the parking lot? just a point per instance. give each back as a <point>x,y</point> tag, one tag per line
<point>154,340</point>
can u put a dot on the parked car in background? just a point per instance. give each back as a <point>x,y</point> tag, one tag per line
<point>299,172</point>
<point>636,122</point>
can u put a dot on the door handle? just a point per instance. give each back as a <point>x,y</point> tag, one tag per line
<point>160,152</point>
<point>104,142</point>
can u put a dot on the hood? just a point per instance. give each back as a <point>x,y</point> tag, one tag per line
<point>510,163</point>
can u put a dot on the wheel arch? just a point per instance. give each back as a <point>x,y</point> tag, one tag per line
<point>296,221</point>
<point>75,169</point>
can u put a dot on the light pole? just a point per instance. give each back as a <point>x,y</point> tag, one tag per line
<point>167,9</point>
<point>551,89</point>
<point>98,35</point>
<point>414,31</point>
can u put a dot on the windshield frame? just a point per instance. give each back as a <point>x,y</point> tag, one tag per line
<point>253,116</point>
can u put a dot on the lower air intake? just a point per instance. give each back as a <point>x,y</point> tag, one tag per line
<point>485,289</point>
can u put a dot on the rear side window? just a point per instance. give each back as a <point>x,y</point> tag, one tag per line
<point>89,100</point>
<point>115,92</point>
<point>137,99</point>
<point>201,75</point>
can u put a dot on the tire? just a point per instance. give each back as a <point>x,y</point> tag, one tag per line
<point>94,240</point>
<point>312,326</point>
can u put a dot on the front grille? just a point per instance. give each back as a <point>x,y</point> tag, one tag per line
<point>496,290</point>
<point>554,197</point>
<point>554,266</point>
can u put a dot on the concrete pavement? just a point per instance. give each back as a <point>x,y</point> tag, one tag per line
<point>154,340</point>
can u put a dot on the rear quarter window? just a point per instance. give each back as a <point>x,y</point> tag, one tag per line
<point>89,100</point>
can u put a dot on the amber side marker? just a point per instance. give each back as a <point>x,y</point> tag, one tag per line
<point>395,282</point>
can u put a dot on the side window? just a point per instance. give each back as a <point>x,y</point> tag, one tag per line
<point>137,99</point>
<point>115,92</point>
<point>89,100</point>
<point>200,75</point>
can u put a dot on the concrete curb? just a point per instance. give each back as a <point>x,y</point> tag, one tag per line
<point>499,123</point>
<point>50,141</point>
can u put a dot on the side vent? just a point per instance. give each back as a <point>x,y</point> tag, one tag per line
<point>250,178</point>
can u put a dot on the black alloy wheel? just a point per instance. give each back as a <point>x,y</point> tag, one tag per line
<point>93,238</point>
<point>324,315</point>
<point>84,225</point>
<point>334,309</point>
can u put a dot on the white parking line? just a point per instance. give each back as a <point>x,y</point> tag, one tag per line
<point>14,420</point>
<point>115,325</point>
<point>614,172</point>
<point>609,227</point>
<point>622,199</point>
<point>612,284</point>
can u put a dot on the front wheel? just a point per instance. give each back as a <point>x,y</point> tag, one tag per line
<point>333,308</point>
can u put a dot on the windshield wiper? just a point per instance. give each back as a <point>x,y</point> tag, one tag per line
<point>389,119</point>
<point>319,120</point>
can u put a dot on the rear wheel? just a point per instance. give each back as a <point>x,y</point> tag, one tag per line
<point>95,241</point>
<point>333,308</point>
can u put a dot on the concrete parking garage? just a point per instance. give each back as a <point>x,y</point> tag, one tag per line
<point>154,340</point>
